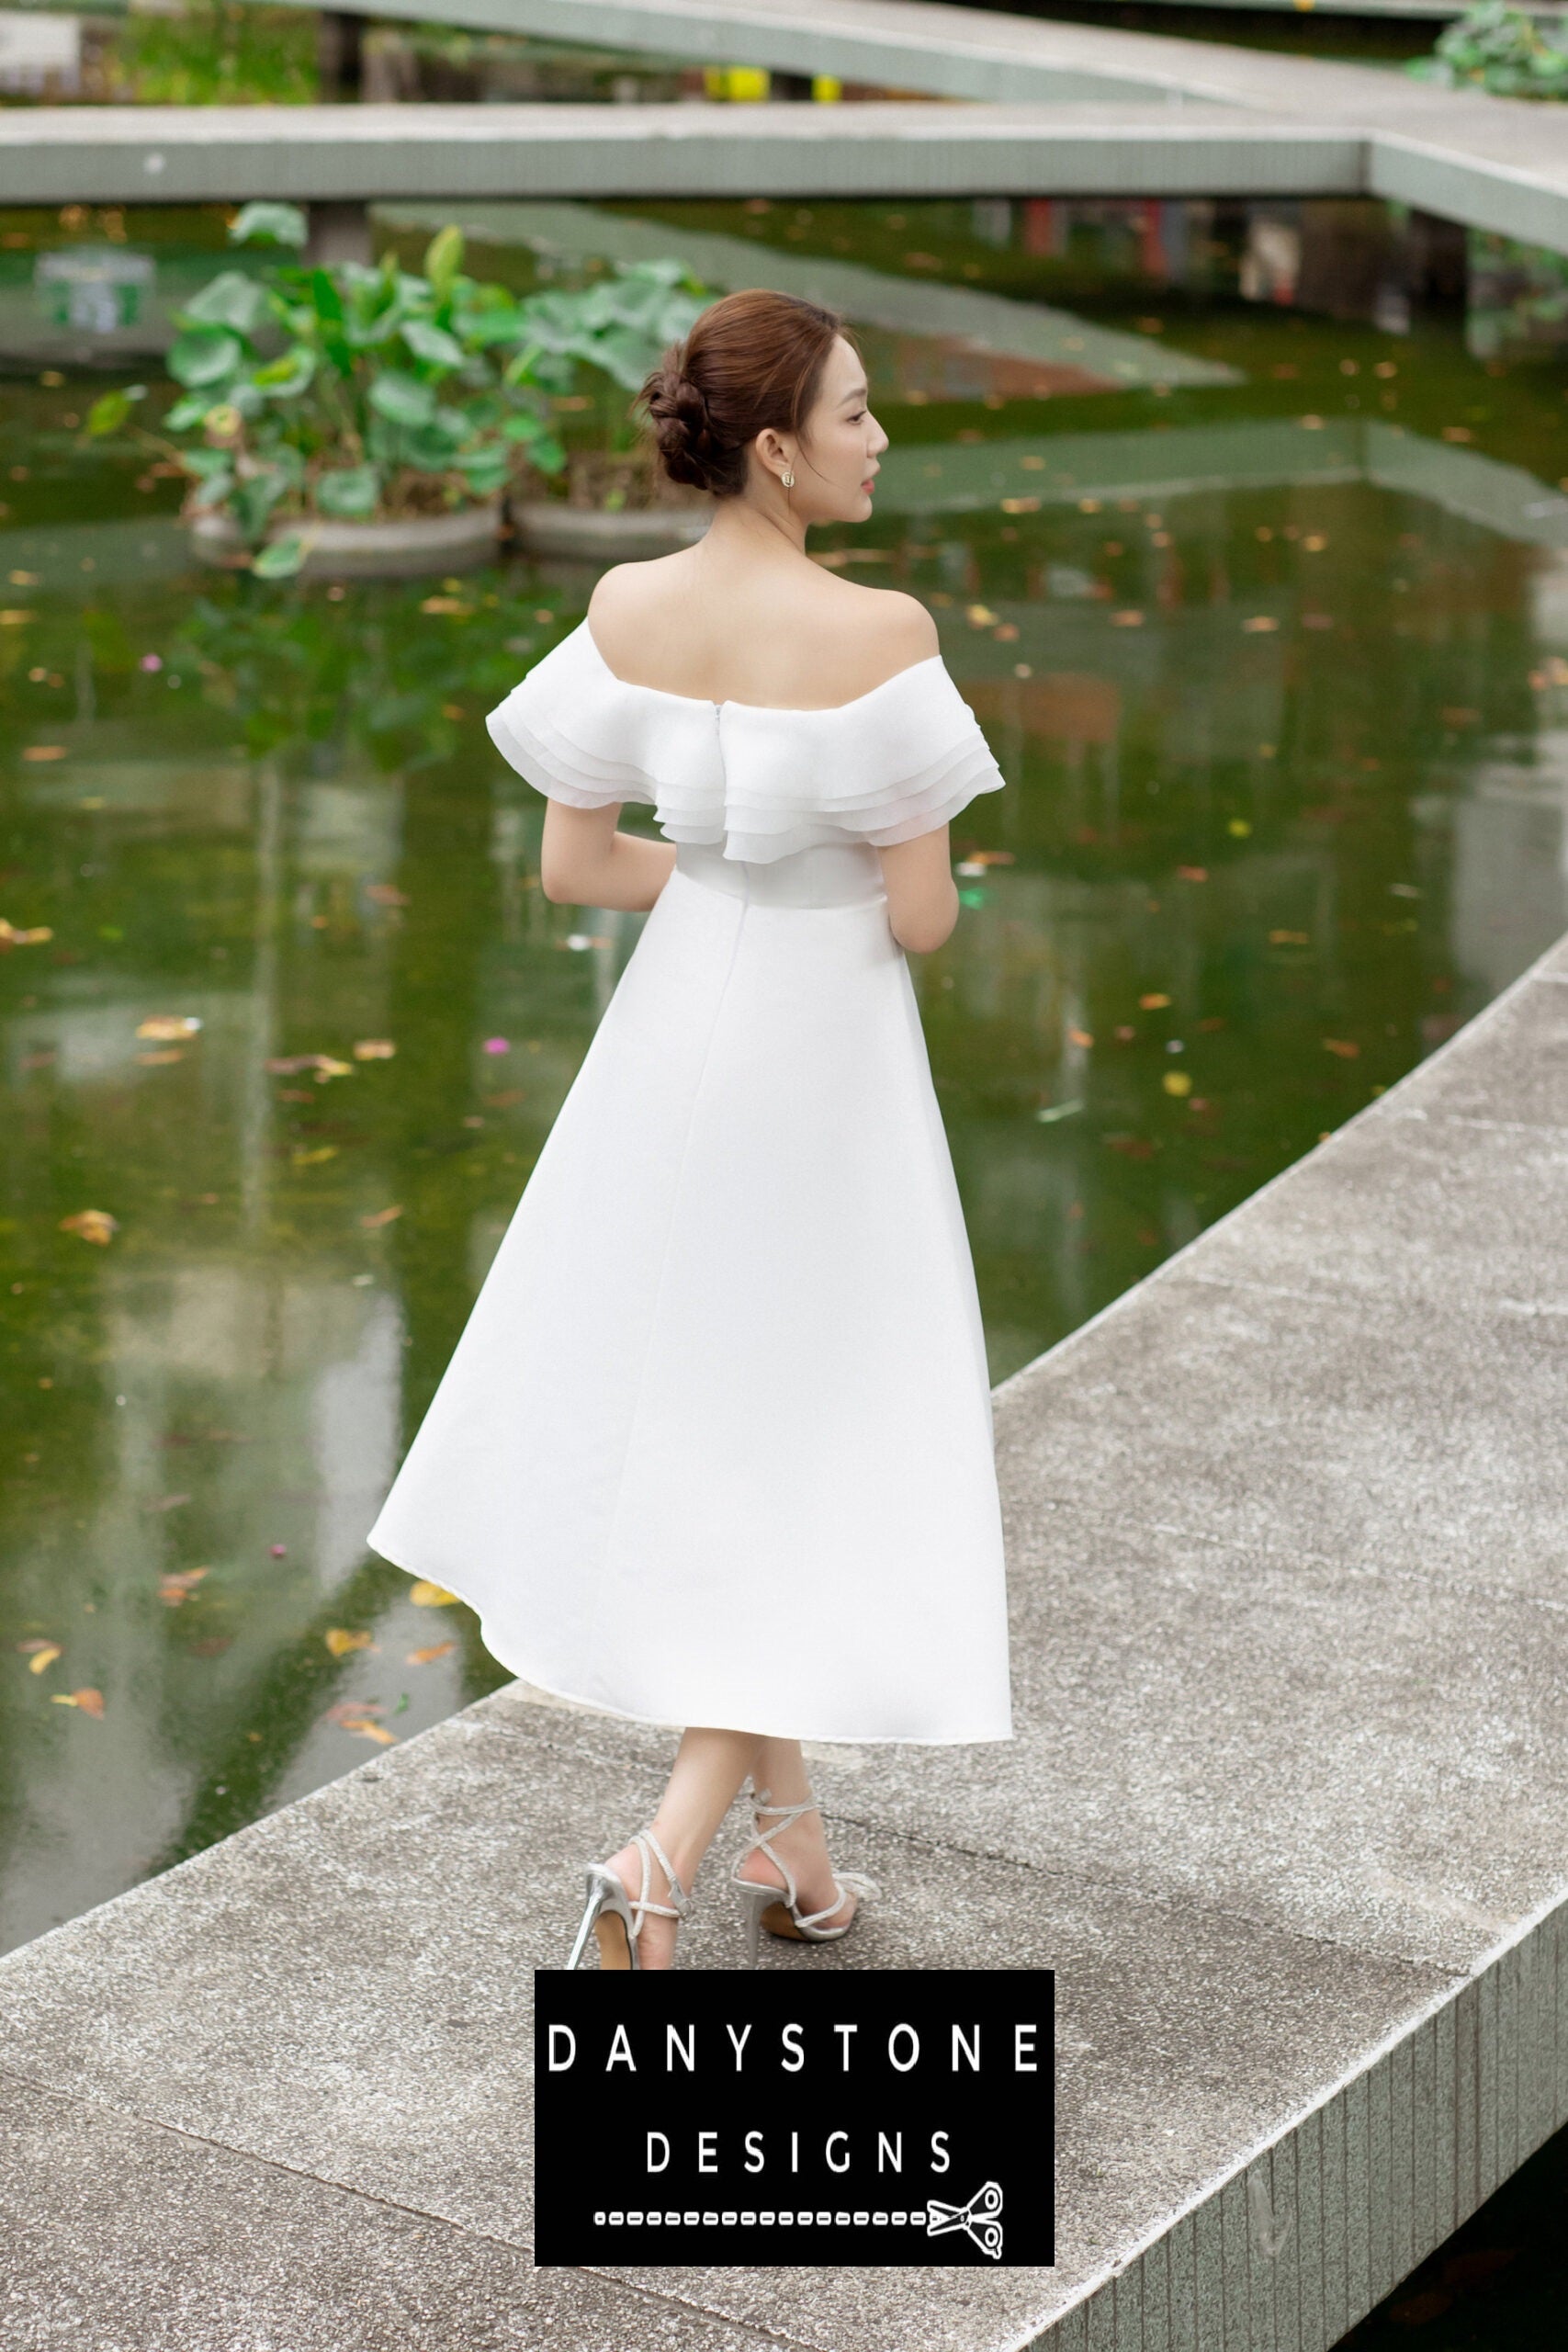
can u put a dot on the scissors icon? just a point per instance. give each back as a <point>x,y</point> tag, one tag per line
<point>977,2218</point>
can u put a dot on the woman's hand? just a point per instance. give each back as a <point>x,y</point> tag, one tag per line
<point>922,897</point>
<point>584,862</point>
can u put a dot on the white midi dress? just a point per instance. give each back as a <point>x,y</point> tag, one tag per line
<point>716,1446</point>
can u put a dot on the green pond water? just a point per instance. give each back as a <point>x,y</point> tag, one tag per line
<point>1266,620</point>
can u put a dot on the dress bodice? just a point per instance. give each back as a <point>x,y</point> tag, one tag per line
<point>815,791</point>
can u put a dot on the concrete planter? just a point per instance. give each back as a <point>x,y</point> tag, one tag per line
<point>339,551</point>
<point>550,527</point>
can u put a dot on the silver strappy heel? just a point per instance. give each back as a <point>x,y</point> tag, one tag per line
<point>616,1917</point>
<point>784,1902</point>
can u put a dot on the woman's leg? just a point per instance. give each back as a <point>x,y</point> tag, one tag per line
<point>710,1767</point>
<point>780,1770</point>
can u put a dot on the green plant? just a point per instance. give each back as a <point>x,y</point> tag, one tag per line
<point>1498,48</point>
<point>358,392</point>
<point>217,52</point>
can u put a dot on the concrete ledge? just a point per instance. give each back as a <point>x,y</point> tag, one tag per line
<point>1288,1544</point>
<point>210,154</point>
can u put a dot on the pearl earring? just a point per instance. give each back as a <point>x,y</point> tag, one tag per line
<point>787,480</point>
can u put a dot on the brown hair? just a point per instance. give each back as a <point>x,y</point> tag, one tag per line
<point>752,360</point>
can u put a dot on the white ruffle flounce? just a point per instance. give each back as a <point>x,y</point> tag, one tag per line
<point>896,763</point>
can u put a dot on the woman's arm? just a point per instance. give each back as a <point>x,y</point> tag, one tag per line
<point>922,897</point>
<point>584,862</point>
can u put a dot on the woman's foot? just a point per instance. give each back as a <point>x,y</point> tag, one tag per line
<point>656,1937</point>
<point>803,1845</point>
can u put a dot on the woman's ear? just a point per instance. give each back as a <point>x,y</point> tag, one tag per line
<point>771,451</point>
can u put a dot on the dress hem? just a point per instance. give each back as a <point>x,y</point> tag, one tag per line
<point>675,1723</point>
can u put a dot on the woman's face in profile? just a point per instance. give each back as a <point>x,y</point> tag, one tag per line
<point>840,444</point>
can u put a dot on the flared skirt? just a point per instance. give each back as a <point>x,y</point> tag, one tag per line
<point>715,1444</point>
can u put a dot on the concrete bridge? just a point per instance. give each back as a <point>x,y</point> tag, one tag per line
<point>1035,109</point>
<point>1289,1594</point>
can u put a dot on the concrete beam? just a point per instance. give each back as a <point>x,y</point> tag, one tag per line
<point>213,154</point>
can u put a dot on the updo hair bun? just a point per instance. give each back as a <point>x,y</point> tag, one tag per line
<point>689,448</point>
<point>752,360</point>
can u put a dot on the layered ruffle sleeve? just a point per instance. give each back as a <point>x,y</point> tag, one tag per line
<point>759,784</point>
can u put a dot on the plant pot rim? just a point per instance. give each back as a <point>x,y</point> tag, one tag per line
<point>384,547</point>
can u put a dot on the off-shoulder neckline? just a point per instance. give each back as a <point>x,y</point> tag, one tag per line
<point>768,710</point>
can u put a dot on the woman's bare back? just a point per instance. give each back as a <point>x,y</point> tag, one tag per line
<point>778,632</point>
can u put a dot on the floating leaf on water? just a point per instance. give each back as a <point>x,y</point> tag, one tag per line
<point>374,1049</point>
<point>11,937</point>
<point>43,1654</point>
<point>312,1157</point>
<point>1129,619</point>
<point>93,1225</point>
<point>1240,826</point>
<point>340,1640</point>
<point>1176,1081</point>
<point>1345,1046</point>
<point>1193,873</point>
<point>1290,939</point>
<point>179,1584</point>
<point>1259,625</point>
<point>378,1217</point>
<point>43,751</point>
<point>91,1702</point>
<point>168,1027</point>
<point>327,1067</point>
<point>980,616</point>
<point>1153,1001</point>
<point>429,1656</point>
<point>425,1595</point>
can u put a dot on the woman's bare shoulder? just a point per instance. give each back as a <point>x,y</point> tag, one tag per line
<point>882,630</point>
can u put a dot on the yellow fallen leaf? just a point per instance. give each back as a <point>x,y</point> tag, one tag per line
<point>425,1595</point>
<point>1290,939</point>
<point>91,1702</point>
<point>1080,1037</point>
<point>340,1641</point>
<point>1176,1081</point>
<point>43,751</point>
<point>1345,1046</point>
<point>1020,506</point>
<point>93,1225</point>
<point>46,1656</point>
<point>428,1656</point>
<point>326,1068</point>
<point>14,619</point>
<point>378,1218</point>
<point>980,616</point>
<point>307,1157</point>
<point>374,1049</point>
<point>167,1027</point>
<point>162,1057</point>
<point>363,1728</point>
<point>11,937</point>
<point>1152,1003</point>
<point>1260,624</point>
<point>1127,620</point>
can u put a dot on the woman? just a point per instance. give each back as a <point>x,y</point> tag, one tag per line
<point>715,1448</point>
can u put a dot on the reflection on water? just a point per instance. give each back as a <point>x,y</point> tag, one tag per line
<point>1281,686</point>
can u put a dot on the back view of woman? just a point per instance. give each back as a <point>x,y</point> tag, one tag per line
<point>715,1448</point>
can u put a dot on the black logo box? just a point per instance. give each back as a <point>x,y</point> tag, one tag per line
<point>864,2117</point>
